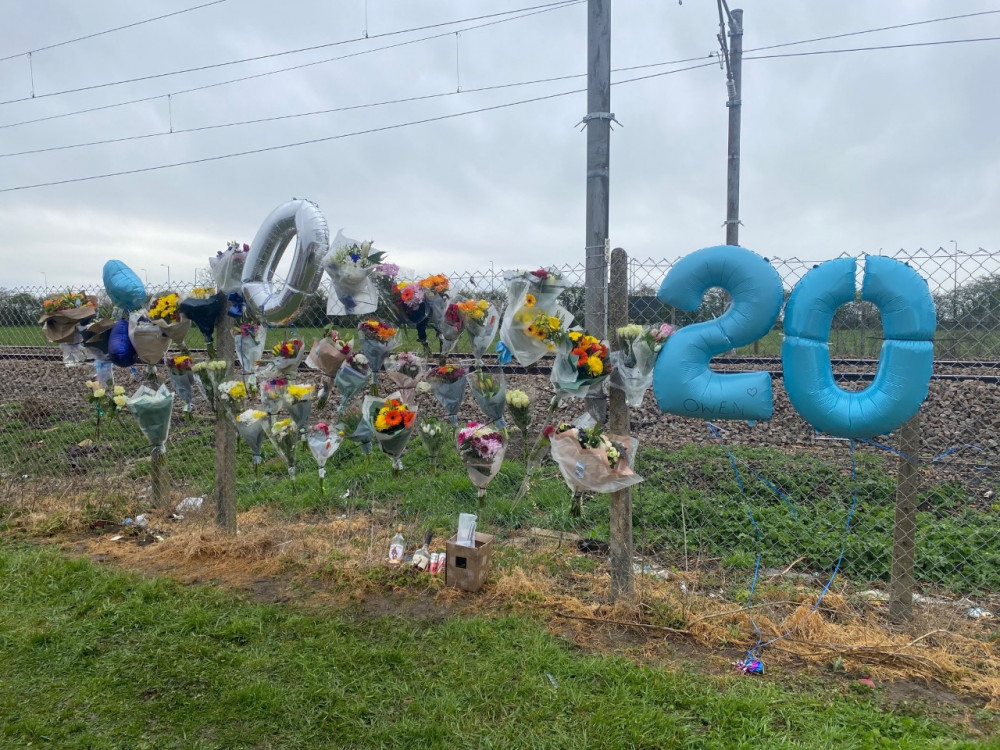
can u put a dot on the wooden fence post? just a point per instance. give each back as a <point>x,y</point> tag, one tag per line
<point>622,576</point>
<point>904,529</point>
<point>225,434</point>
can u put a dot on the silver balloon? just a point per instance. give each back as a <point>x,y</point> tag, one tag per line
<point>279,304</point>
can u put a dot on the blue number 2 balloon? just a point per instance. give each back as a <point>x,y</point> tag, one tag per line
<point>682,381</point>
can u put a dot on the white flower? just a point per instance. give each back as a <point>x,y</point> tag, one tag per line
<point>360,359</point>
<point>424,387</point>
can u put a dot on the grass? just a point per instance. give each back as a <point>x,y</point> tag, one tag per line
<point>99,659</point>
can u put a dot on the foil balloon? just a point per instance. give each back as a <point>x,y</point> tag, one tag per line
<point>279,303</point>
<point>124,288</point>
<point>120,349</point>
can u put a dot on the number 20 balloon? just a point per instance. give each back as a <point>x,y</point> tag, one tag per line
<point>684,384</point>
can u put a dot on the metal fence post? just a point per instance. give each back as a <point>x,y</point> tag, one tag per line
<point>905,526</point>
<point>622,577</point>
<point>225,435</point>
<point>161,478</point>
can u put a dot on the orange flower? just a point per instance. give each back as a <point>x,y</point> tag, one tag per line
<point>393,417</point>
<point>407,294</point>
<point>408,417</point>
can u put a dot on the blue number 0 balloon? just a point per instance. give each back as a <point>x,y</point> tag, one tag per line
<point>682,381</point>
<point>905,363</point>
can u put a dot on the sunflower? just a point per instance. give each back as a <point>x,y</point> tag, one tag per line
<point>529,300</point>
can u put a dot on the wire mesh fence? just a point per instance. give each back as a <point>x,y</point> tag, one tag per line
<point>776,496</point>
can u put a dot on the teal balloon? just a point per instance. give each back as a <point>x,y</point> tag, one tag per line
<point>123,286</point>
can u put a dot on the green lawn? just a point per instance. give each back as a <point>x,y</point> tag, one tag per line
<point>99,659</point>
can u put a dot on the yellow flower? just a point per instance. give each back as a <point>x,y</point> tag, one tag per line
<point>299,392</point>
<point>529,300</point>
<point>575,336</point>
<point>238,391</point>
<point>120,402</point>
<point>380,423</point>
<point>99,393</point>
<point>483,304</point>
<point>554,322</point>
<point>119,391</point>
<point>595,365</point>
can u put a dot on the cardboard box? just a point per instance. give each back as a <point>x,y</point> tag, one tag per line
<point>467,567</point>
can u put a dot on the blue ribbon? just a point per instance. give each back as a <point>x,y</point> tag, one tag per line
<point>504,355</point>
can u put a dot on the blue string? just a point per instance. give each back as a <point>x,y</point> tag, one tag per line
<point>940,456</point>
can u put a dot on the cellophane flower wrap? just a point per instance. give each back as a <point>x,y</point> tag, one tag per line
<point>284,436</point>
<point>234,395</point>
<point>323,442</point>
<point>63,314</point>
<point>354,428</point>
<point>519,408</point>
<point>482,449</point>
<point>182,379</point>
<point>436,288</point>
<point>164,313</point>
<point>435,435</point>
<point>251,424</point>
<point>272,395</point>
<point>448,384</point>
<point>591,461</point>
<point>202,306</point>
<point>288,354</point>
<point>582,363</point>
<point>329,353</point>
<point>351,378</point>
<point>249,340</point>
<point>227,267</point>
<point>391,423</point>
<point>530,294</point>
<point>149,340</point>
<point>298,400</point>
<point>377,340</point>
<point>479,320</point>
<point>489,389</point>
<point>209,376</point>
<point>632,364</point>
<point>405,370</point>
<point>350,265</point>
<point>450,328</point>
<point>152,411</point>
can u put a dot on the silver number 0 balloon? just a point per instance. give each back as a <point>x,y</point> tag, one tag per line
<point>278,304</point>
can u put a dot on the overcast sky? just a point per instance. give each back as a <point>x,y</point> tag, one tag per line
<point>849,152</point>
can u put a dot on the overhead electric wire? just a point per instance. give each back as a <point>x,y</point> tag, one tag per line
<point>871,49</point>
<point>109,31</point>
<point>340,136</point>
<point>547,7</point>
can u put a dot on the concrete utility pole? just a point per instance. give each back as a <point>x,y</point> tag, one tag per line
<point>598,124</point>
<point>735,86</point>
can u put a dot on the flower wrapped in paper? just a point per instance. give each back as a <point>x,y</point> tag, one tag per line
<point>350,265</point>
<point>64,314</point>
<point>298,400</point>
<point>391,423</point>
<point>448,384</point>
<point>405,370</point>
<point>272,395</point>
<point>284,436</point>
<point>351,378</point>
<point>150,341</point>
<point>203,307</point>
<point>591,461</point>
<point>530,294</point>
<point>252,427</point>
<point>519,408</point>
<point>490,391</point>
<point>479,321</point>
<point>105,400</point>
<point>377,340</point>
<point>209,376</point>
<point>288,354</point>
<point>323,443</point>
<point>152,410</point>
<point>227,267</point>
<point>164,314</point>
<point>249,340</point>
<point>582,363</point>
<point>435,435</point>
<point>482,449</point>
<point>632,365</point>
<point>182,379</point>
<point>329,353</point>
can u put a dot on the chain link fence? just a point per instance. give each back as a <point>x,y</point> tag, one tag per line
<point>775,497</point>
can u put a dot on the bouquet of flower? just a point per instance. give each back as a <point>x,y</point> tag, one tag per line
<point>298,399</point>
<point>272,395</point>
<point>391,423</point>
<point>581,363</point>
<point>287,356</point>
<point>234,395</point>
<point>519,406</point>
<point>450,328</point>
<point>353,427</point>
<point>591,461</point>
<point>251,425</point>
<point>249,339</point>
<point>227,267</point>
<point>202,306</point>
<point>323,443</point>
<point>62,315</point>
<point>435,435</point>
<point>164,313</point>
<point>490,392</point>
<point>328,353</point>
<point>182,379</point>
<point>448,384</point>
<point>377,340</point>
<point>148,338</point>
<point>481,449</point>
<point>350,265</point>
<point>351,378</point>
<point>152,410</point>
<point>436,289</point>
<point>632,365</point>
<point>284,435</point>
<point>405,370</point>
<point>479,320</point>
<point>209,376</point>
<point>106,401</point>
<point>530,295</point>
